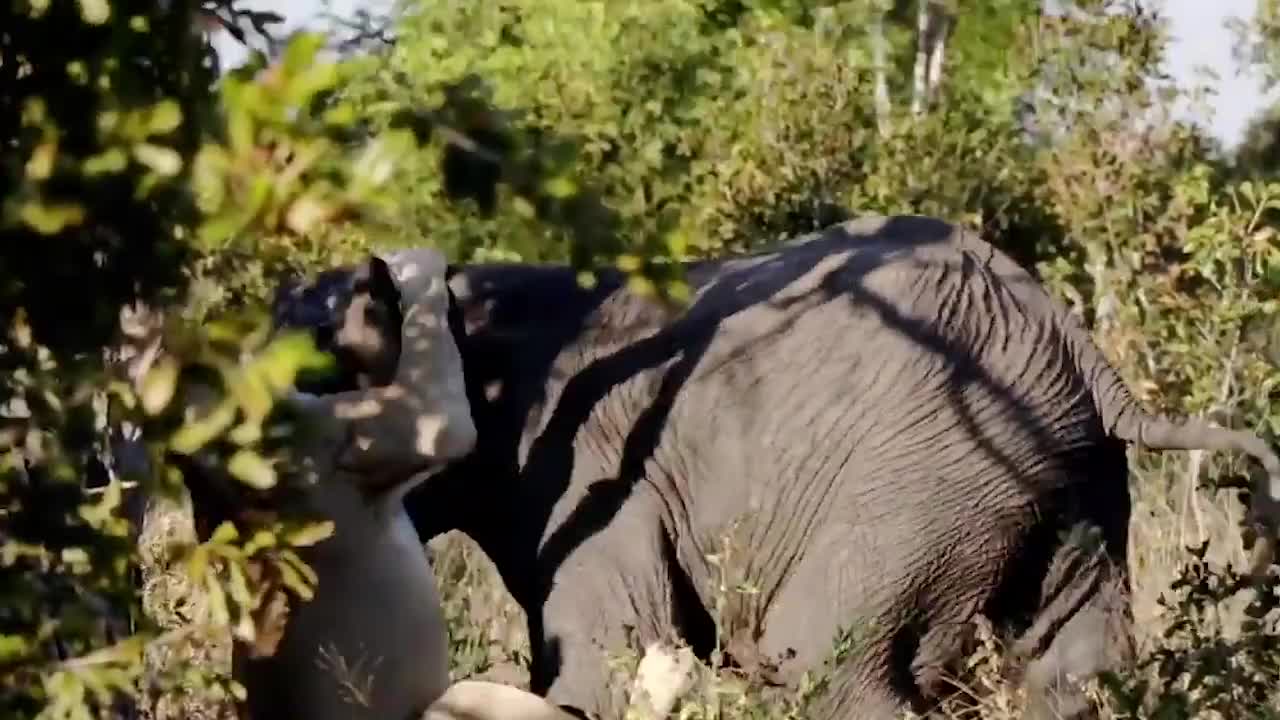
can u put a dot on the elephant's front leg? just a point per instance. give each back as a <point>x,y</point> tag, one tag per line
<point>610,596</point>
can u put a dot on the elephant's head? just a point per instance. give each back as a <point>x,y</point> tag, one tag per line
<point>395,411</point>
<point>398,393</point>
<point>353,312</point>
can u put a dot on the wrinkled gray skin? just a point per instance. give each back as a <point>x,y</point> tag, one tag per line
<point>908,431</point>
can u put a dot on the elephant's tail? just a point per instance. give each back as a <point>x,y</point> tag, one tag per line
<point>1125,419</point>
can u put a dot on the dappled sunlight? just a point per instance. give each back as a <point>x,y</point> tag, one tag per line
<point>421,418</point>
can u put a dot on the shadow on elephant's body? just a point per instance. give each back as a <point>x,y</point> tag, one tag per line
<point>540,313</point>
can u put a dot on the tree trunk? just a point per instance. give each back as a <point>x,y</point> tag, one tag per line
<point>933,24</point>
<point>880,62</point>
<point>940,28</point>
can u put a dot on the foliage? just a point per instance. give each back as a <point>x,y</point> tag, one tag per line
<point>1258,156</point>
<point>115,185</point>
<point>1258,41</point>
<point>1062,147</point>
<point>130,179</point>
<point>1195,671</point>
<point>715,124</point>
<point>633,133</point>
<point>1258,50</point>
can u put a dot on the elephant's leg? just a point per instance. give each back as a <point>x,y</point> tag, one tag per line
<point>828,603</point>
<point>855,694</point>
<point>941,647</point>
<point>1095,637</point>
<point>611,594</point>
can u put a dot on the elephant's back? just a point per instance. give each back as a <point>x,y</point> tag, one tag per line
<point>861,377</point>
<point>898,408</point>
<point>911,325</point>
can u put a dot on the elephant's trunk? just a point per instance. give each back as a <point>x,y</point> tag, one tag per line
<point>1125,419</point>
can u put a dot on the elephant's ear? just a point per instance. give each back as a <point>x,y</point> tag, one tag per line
<point>368,334</point>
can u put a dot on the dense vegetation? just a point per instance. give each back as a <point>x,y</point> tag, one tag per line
<point>146,198</point>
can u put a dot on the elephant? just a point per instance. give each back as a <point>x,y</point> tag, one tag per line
<point>887,427</point>
<point>372,642</point>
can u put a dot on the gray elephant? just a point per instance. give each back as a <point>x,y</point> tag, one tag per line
<point>893,423</point>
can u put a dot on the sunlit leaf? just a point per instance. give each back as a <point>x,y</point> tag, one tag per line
<point>296,576</point>
<point>252,469</point>
<point>163,160</point>
<point>12,648</point>
<point>112,160</point>
<point>560,187</point>
<point>159,385</point>
<point>166,116</point>
<point>310,534</point>
<point>40,165</point>
<point>95,12</point>
<point>261,540</point>
<point>51,218</point>
<point>196,433</point>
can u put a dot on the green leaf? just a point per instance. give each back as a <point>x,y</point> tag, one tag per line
<point>195,434</point>
<point>166,116</point>
<point>51,218</point>
<point>225,534</point>
<point>159,385</point>
<point>261,540</point>
<point>252,469</point>
<point>240,129</point>
<point>246,433</point>
<point>310,534</point>
<point>164,161</point>
<point>238,586</point>
<point>296,574</point>
<point>301,51</point>
<point>111,160</point>
<point>13,648</point>
<point>95,12</point>
<point>342,114</point>
<point>560,187</point>
<point>40,164</point>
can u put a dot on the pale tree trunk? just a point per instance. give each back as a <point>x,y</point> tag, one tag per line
<point>933,24</point>
<point>920,69</point>
<point>940,26</point>
<point>880,63</point>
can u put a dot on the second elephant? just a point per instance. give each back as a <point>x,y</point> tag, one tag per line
<point>894,426</point>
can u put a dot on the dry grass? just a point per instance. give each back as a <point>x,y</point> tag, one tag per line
<point>488,637</point>
<point>174,603</point>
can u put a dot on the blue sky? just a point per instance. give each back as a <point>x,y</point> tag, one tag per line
<point>1200,39</point>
